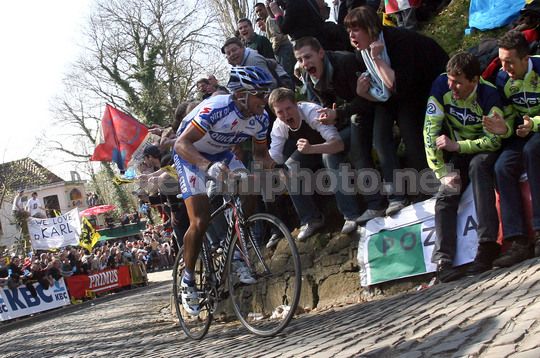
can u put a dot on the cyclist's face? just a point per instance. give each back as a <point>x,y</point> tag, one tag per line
<point>287,112</point>
<point>256,103</point>
<point>310,60</point>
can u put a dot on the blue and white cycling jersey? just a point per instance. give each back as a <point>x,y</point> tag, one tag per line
<point>223,125</point>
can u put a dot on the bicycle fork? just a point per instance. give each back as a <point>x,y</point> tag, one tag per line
<point>245,237</point>
<point>210,282</point>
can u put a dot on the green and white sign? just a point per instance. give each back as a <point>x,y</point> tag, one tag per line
<point>401,246</point>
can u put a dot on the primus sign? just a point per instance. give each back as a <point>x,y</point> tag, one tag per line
<point>20,302</point>
<point>100,282</point>
<point>103,280</point>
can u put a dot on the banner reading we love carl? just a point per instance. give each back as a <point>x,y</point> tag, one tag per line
<point>60,231</point>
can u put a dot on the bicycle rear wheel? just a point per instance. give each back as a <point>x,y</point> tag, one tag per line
<point>195,327</point>
<point>266,307</point>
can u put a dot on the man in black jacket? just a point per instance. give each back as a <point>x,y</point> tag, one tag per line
<point>342,7</point>
<point>330,77</point>
<point>303,18</point>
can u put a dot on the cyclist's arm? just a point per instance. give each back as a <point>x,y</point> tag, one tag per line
<point>184,147</point>
<point>261,154</point>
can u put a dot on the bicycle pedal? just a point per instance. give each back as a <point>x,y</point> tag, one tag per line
<point>216,249</point>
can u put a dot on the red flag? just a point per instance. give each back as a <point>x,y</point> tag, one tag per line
<point>120,135</point>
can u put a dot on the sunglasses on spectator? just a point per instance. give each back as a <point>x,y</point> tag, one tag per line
<point>259,94</point>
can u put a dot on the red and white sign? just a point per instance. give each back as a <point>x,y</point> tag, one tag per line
<point>99,282</point>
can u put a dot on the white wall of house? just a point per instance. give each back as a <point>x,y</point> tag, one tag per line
<point>68,194</point>
<point>8,232</point>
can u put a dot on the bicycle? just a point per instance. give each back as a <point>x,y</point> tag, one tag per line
<point>264,308</point>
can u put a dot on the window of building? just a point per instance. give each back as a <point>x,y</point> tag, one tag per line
<point>51,202</point>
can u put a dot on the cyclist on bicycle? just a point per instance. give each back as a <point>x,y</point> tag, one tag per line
<point>203,147</point>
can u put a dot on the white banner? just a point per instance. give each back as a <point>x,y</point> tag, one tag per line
<point>20,302</point>
<point>402,245</point>
<point>55,232</point>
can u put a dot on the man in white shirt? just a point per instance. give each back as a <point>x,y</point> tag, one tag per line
<point>299,140</point>
<point>17,202</point>
<point>35,207</point>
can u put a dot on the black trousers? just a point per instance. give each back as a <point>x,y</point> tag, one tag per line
<point>477,169</point>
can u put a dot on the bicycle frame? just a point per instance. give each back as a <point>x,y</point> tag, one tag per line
<point>235,222</point>
<point>216,283</point>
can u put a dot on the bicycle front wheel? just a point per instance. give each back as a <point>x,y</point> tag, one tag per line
<point>266,306</point>
<point>195,327</point>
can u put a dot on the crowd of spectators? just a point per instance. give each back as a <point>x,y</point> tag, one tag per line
<point>330,78</point>
<point>152,250</point>
<point>372,87</point>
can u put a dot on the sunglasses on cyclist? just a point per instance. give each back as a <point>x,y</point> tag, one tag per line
<point>259,94</point>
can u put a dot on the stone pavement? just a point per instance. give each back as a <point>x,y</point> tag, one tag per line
<point>496,314</point>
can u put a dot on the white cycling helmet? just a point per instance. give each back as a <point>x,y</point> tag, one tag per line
<point>249,78</point>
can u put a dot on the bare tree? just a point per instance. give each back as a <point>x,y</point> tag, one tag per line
<point>229,12</point>
<point>78,115</point>
<point>142,54</point>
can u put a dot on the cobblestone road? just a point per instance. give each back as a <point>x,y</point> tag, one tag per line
<point>493,315</point>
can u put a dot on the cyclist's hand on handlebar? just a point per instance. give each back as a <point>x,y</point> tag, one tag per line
<point>217,170</point>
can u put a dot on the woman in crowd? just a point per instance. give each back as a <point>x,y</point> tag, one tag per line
<point>401,65</point>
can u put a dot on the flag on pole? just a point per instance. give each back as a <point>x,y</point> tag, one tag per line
<point>89,236</point>
<point>119,136</point>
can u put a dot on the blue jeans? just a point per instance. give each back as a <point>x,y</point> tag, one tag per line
<point>347,203</point>
<point>302,198</point>
<point>304,204</point>
<point>518,155</point>
<point>285,56</point>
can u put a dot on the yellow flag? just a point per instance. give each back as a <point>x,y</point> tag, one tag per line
<point>89,235</point>
<point>171,171</point>
<point>118,180</point>
<point>389,20</point>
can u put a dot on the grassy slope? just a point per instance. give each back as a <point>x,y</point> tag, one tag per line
<point>448,28</point>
